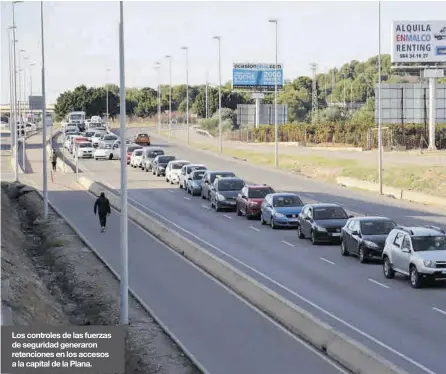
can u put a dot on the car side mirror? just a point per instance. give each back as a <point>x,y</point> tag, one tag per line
<point>351,216</point>
<point>356,233</point>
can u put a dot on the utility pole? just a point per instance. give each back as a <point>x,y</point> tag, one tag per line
<point>314,101</point>
<point>220,144</point>
<point>45,158</point>
<point>170,94</point>
<point>124,307</point>
<point>207,94</point>
<point>106,86</point>
<point>158,68</point>
<point>16,112</point>
<point>187,91</point>
<point>380,150</point>
<point>276,125</point>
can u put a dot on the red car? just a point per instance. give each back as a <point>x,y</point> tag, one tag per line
<point>130,149</point>
<point>250,199</point>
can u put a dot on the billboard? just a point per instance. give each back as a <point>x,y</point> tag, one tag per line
<point>35,102</point>
<point>256,76</point>
<point>418,41</point>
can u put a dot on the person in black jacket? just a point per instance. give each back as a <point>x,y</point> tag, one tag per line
<point>54,160</point>
<point>102,206</point>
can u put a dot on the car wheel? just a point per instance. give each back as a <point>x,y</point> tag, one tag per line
<point>313,238</point>
<point>171,181</point>
<point>344,251</point>
<point>415,280</point>
<point>180,185</point>
<point>361,256</point>
<point>110,157</point>
<point>262,221</point>
<point>387,268</point>
<point>239,213</point>
<point>273,226</point>
<point>96,158</point>
<point>300,235</point>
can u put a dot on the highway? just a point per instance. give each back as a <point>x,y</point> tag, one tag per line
<point>224,333</point>
<point>404,325</point>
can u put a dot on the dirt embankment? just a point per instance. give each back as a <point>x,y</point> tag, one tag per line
<point>50,276</point>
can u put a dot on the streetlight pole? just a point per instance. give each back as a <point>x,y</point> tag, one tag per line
<point>31,86</point>
<point>124,319</point>
<point>218,38</point>
<point>16,119</point>
<point>187,91</point>
<point>45,158</point>
<point>380,150</point>
<point>276,126</point>
<point>170,93</point>
<point>158,69</point>
<point>11,93</point>
<point>106,87</point>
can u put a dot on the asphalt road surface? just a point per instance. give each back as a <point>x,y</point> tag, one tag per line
<point>223,332</point>
<point>404,325</point>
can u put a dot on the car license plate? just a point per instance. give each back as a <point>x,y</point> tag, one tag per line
<point>336,234</point>
<point>292,219</point>
<point>231,202</point>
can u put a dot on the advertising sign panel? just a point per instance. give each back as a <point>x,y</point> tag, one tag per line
<point>419,41</point>
<point>35,102</point>
<point>256,76</point>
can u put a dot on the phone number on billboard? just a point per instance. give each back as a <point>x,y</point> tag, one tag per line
<point>414,55</point>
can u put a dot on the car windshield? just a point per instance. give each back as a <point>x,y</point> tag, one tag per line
<point>165,159</point>
<point>143,135</point>
<point>138,152</point>
<point>429,243</point>
<point>153,154</point>
<point>377,227</point>
<point>259,193</point>
<point>198,175</point>
<point>228,174</point>
<point>84,145</point>
<point>97,135</point>
<point>75,117</point>
<point>231,185</point>
<point>131,149</point>
<point>177,166</point>
<point>332,212</point>
<point>89,133</point>
<point>191,168</point>
<point>287,201</point>
<point>109,137</point>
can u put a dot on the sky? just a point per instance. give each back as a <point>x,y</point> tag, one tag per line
<point>82,38</point>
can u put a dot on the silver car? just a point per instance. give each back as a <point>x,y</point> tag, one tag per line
<point>107,141</point>
<point>417,252</point>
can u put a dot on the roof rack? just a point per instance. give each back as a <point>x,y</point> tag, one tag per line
<point>436,229</point>
<point>403,228</point>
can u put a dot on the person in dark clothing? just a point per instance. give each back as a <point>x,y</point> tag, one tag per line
<point>54,160</point>
<point>102,207</point>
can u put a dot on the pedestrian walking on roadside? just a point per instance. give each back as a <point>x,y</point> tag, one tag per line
<point>102,207</point>
<point>54,160</point>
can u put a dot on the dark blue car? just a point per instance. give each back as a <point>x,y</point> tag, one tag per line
<point>281,210</point>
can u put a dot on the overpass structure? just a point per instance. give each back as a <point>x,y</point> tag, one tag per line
<point>6,108</point>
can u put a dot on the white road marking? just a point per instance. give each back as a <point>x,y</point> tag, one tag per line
<point>205,207</point>
<point>226,216</point>
<point>378,283</point>
<point>328,261</point>
<point>254,228</point>
<point>439,311</point>
<point>171,191</point>
<point>186,198</point>
<point>291,292</point>
<point>288,244</point>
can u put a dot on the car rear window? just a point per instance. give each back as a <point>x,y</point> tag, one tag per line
<point>138,152</point>
<point>153,154</point>
<point>377,227</point>
<point>259,193</point>
<point>287,201</point>
<point>84,145</point>
<point>177,166</point>
<point>143,135</point>
<point>329,213</point>
<point>110,137</point>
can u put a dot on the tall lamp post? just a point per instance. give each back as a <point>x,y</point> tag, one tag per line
<point>45,159</point>
<point>380,150</point>
<point>124,319</point>
<point>11,93</point>
<point>16,119</point>
<point>218,38</point>
<point>170,93</point>
<point>276,126</point>
<point>106,95</point>
<point>187,91</point>
<point>158,69</point>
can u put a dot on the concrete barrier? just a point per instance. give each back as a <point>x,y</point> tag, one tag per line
<point>351,354</point>
<point>397,193</point>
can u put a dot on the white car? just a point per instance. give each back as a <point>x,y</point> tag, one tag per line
<point>71,128</point>
<point>30,127</point>
<point>186,171</point>
<point>173,170</point>
<point>136,158</point>
<point>103,154</point>
<point>84,150</point>
<point>96,137</point>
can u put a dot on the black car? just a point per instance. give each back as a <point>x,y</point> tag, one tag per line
<point>321,222</point>
<point>224,192</point>
<point>365,237</point>
<point>159,164</point>
<point>208,181</point>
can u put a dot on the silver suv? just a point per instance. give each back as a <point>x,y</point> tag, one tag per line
<point>417,252</point>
